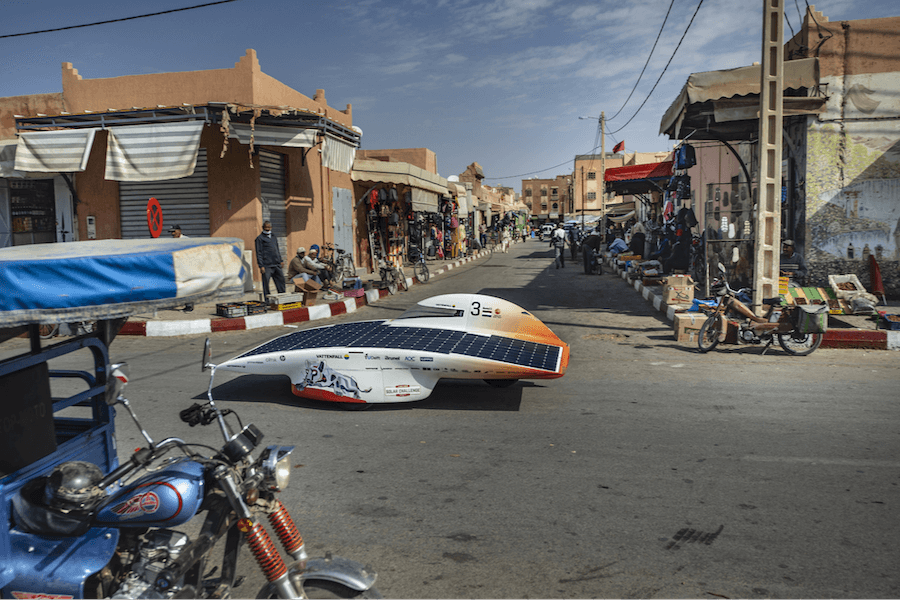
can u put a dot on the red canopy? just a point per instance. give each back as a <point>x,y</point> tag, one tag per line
<point>647,171</point>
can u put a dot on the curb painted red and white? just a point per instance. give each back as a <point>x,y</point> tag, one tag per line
<point>275,318</point>
<point>870,339</point>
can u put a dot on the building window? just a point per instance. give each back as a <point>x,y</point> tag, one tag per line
<point>592,196</point>
<point>554,192</point>
<point>528,192</point>
<point>544,192</point>
<point>592,175</point>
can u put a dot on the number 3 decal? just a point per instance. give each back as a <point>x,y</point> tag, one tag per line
<point>476,308</point>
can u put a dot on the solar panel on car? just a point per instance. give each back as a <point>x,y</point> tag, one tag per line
<point>374,334</point>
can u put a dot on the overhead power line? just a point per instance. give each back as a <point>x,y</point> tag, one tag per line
<point>597,146</point>
<point>674,52</point>
<point>156,14</point>
<point>658,35</point>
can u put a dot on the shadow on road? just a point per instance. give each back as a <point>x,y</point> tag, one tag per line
<point>450,394</point>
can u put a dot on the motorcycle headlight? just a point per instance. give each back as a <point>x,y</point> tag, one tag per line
<point>276,467</point>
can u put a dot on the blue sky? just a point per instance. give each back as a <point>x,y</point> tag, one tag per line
<point>500,82</point>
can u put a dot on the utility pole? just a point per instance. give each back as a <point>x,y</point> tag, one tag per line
<point>768,209</point>
<point>603,169</point>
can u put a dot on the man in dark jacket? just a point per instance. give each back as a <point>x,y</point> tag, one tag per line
<point>268,257</point>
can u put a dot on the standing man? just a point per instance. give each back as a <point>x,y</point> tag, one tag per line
<point>269,260</point>
<point>558,241</point>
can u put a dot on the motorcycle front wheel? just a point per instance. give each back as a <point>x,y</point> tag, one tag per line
<point>708,337</point>
<point>321,588</point>
<point>799,344</point>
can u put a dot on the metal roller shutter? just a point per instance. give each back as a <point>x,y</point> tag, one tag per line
<point>184,202</point>
<point>273,187</point>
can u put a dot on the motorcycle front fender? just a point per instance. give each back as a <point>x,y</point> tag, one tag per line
<point>340,570</point>
<point>348,573</point>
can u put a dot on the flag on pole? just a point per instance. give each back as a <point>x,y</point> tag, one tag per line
<point>619,147</point>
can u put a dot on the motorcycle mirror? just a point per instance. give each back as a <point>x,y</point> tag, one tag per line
<point>207,356</point>
<point>721,267</point>
<point>116,381</point>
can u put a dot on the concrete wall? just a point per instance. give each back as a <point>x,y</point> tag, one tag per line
<point>852,169</point>
<point>245,84</point>
<point>47,104</point>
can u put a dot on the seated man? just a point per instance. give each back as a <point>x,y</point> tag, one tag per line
<point>296,267</point>
<point>311,261</point>
<point>792,264</point>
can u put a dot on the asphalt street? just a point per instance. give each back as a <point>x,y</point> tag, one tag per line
<point>649,470</point>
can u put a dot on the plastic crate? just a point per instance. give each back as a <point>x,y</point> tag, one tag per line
<point>254,307</point>
<point>231,310</point>
<point>287,306</point>
<point>889,324</point>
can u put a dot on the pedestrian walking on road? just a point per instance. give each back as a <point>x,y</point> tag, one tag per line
<point>558,241</point>
<point>268,257</point>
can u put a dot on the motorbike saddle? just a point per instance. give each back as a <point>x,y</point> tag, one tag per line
<point>772,301</point>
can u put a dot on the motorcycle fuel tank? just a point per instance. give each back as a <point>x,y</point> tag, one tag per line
<point>170,496</point>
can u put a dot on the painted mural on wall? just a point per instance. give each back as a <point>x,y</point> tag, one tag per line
<point>853,171</point>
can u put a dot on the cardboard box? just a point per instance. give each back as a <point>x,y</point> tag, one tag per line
<point>687,326</point>
<point>309,298</point>
<point>679,289</point>
<point>308,285</point>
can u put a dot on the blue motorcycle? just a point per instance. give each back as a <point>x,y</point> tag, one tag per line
<point>77,524</point>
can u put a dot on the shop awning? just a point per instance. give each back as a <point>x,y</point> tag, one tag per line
<point>708,98</point>
<point>619,208</point>
<point>54,151</point>
<point>378,171</point>
<point>637,172</point>
<point>423,200</point>
<point>638,179</point>
<point>462,196</point>
<point>263,135</point>
<point>338,155</point>
<point>152,152</point>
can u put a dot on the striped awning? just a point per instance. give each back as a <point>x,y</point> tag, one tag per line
<point>263,135</point>
<point>64,151</point>
<point>152,152</point>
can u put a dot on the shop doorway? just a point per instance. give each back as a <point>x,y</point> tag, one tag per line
<point>32,211</point>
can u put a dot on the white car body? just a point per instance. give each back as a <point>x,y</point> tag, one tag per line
<point>458,336</point>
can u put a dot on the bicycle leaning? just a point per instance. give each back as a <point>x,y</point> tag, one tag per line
<point>339,263</point>
<point>392,277</point>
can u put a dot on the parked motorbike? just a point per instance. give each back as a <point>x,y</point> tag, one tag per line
<point>798,329</point>
<point>118,530</point>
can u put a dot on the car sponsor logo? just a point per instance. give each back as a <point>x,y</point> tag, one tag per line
<point>391,358</point>
<point>426,359</point>
<point>282,358</point>
<point>410,359</point>
<point>337,356</point>
<point>372,357</point>
<point>403,390</point>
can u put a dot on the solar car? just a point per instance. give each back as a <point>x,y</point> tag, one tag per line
<point>458,336</point>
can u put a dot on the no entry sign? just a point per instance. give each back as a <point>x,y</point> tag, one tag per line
<point>154,217</point>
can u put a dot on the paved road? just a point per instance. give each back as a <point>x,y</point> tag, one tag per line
<point>649,470</point>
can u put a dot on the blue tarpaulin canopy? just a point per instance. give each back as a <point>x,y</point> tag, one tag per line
<point>75,281</point>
